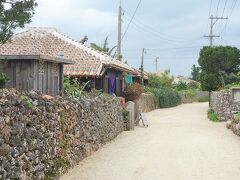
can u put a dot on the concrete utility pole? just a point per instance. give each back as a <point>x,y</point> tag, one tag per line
<point>156,61</point>
<point>213,22</point>
<point>119,44</point>
<point>142,75</point>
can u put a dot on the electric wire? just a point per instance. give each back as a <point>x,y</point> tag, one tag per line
<point>128,26</point>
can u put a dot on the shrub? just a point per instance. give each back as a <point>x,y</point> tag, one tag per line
<point>156,81</point>
<point>193,85</point>
<point>73,89</point>
<point>133,92</point>
<point>233,85</point>
<point>238,117</point>
<point>203,99</point>
<point>165,97</point>
<point>125,114</point>
<point>180,86</point>
<point>190,92</point>
<point>3,79</point>
<point>213,116</point>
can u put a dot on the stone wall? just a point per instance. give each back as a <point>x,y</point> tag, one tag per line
<point>41,138</point>
<point>146,103</point>
<point>222,103</point>
<point>193,98</point>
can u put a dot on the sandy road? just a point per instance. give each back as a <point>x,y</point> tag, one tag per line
<point>180,144</point>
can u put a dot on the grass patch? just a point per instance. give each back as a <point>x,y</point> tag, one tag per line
<point>212,116</point>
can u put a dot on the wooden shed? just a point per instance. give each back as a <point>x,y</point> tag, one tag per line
<point>27,71</point>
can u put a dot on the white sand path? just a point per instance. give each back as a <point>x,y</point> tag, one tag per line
<point>180,144</point>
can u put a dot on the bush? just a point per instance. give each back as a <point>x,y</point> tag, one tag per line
<point>213,116</point>
<point>3,80</point>
<point>238,117</point>
<point>165,97</point>
<point>181,86</point>
<point>133,92</point>
<point>73,89</point>
<point>190,92</point>
<point>193,85</point>
<point>156,81</point>
<point>233,85</point>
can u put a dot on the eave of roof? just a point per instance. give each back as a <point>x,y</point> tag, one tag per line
<point>37,57</point>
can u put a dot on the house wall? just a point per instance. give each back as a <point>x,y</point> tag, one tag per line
<point>26,75</point>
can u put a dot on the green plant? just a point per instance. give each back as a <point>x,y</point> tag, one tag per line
<point>125,114</point>
<point>233,85</point>
<point>133,92</point>
<point>158,81</point>
<point>203,99</point>
<point>180,86</point>
<point>14,14</point>
<point>165,97</point>
<point>213,116</point>
<point>219,66</point>
<point>193,85</point>
<point>190,92</point>
<point>3,80</point>
<point>238,117</point>
<point>73,89</point>
<point>27,100</point>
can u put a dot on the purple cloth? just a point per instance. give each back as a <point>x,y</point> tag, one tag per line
<point>111,87</point>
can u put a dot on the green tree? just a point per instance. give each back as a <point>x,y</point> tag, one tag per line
<point>195,74</point>
<point>14,14</point>
<point>163,80</point>
<point>210,81</point>
<point>219,65</point>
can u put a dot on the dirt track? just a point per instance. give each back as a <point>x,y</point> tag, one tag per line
<point>180,144</point>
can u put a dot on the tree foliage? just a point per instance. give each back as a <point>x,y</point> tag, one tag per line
<point>104,48</point>
<point>219,65</point>
<point>195,74</point>
<point>163,80</point>
<point>14,14</point>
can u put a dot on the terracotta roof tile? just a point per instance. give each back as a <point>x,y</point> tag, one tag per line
<point>51,43</point>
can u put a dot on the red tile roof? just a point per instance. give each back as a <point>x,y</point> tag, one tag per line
<point>49,42</point>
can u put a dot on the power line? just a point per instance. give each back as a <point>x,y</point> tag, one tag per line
<point>131,19</point>
<point>234,3</point>
<point>217,7</point>
<point>145,30</point>
<point>162,49</point>
<point>224,8</point>
<point>150,28</point>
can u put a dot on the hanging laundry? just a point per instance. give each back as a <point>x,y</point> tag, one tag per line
<point>112,82</point>
<point>128,79</point>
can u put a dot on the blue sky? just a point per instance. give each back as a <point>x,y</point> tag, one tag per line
<point>171,30</point>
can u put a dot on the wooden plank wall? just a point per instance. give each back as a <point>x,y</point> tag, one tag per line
<point>26,75</point>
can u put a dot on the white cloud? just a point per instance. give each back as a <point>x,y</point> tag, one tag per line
<point>74,17</point>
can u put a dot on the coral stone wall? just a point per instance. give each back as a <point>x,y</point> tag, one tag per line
<point>146,103</point>
<point>41,139</point>
<point>191,99</point>
<point>222,103</point>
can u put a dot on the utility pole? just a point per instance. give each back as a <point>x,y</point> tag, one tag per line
<point>156,63</point>
<point>119,44</point>
<point>142,75</point>
<point>213,22</point>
